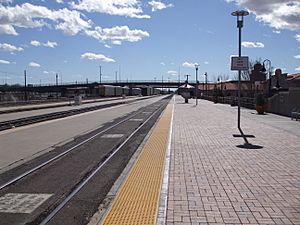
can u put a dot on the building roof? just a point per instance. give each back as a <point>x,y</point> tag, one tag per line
<point>295,76</point>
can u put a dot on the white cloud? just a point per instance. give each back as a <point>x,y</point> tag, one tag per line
<point>249,44</point>
<point>206,63</point>
<point>117,34</point>
<point>158,5</point>
<point>10,48</point>
<point>297,36</point>
<point>172,72</point>
<point>279,14</point>
<point>107,46</point>
<point>297,56</point>
<point>188,64</point>
<point>35,43</point>
<point>32,16</point>
<point>297,69</point>
<point>276,31</point>
<point>162,63</point>
<point>45,72</point>
<point>93,56</point>
<point>4,61</point>
<point>7,29</point>
<point>48,44</point>
<point>128,8</point>
<point>59,1</point>
<point>34,64</point>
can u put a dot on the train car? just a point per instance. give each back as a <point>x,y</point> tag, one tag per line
<point>135,91</point>
<point>156,91</point>
<point>118,91</point>
<point>146,91</point>
<point>107,91</point>
<point>125,91</point>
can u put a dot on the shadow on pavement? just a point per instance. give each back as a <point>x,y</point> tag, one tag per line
<point>247,144</point>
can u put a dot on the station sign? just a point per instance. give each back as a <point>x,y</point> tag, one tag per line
<point>239,63</point>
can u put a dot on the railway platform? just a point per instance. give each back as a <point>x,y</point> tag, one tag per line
<point>192,170</point>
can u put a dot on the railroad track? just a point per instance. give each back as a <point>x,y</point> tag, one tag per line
<point>116,151</point>
<point>57,115</point>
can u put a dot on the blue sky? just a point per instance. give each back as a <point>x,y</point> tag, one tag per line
<point>144,40</point>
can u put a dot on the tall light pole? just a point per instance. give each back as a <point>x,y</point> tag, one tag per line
<point>270,74</point>
<point>240,19</point>
<point>196,92</point>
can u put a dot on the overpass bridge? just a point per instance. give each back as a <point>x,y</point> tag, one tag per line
<point>44,88</point>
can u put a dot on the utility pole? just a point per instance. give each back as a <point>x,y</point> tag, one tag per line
<point>162,83</point>
<point>179,76</point>
<point>119,73</point>
<point>116,76</point>
<point>56,79</point>
<point>25,85</point>
<point>100,74</point>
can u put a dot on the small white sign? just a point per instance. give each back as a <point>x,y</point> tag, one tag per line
<point>239,63</point>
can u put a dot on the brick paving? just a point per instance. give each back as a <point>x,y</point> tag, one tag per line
<point>212,181</point>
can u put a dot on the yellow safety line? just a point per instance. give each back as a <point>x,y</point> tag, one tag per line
<point>138,199</point>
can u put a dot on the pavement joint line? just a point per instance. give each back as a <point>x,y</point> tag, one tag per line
<point>137,201</point>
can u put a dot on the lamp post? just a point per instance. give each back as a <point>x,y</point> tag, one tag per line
<point>270,75</point>
<point>205,82</point>
<point>240,19</point>
<point>196,92</point>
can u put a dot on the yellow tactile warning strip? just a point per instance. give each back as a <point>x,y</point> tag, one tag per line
<point>137,201</point>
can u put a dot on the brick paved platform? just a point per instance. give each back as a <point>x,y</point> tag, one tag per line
<point>212,181</point>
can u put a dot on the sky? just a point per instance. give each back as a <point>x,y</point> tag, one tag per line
<point>142,39</point>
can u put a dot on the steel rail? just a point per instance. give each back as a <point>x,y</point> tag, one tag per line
<point>83,183</point>
<point>64,153</point>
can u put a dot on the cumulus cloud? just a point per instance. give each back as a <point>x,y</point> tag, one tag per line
<point>297,69</point>
<point>32,16</point>
<point>249,44</point>
<point>297,56</point>
<point>10,48</point>
<point>188,64</point>
<point>297,36</point>
<point>117,34</point>
<point>93,56</point>
<point>48,44</point>
<point>158,5</point>
<point>279,14</point>
<point>128,8</point>
<point>34,64</point>
<point>4,61</point>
